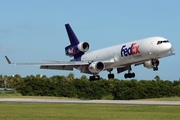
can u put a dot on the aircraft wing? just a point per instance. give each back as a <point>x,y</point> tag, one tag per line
<point>59,65</point>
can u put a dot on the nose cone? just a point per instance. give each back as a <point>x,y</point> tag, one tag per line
<point>165,48</point>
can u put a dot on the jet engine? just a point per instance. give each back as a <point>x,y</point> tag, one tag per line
<point>83,46</point>
<point>96,67</point>
<point>154,63</point>
<point>77,49</point>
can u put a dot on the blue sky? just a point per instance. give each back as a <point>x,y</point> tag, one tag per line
<point>33,30</point>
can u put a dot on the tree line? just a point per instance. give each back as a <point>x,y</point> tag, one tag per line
<point>61,86</point>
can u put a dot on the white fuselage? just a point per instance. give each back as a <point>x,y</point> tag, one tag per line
<point>131,52</point>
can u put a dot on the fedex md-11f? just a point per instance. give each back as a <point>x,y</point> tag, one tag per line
<point>120,57</point>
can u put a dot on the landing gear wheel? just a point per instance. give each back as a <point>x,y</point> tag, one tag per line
<point>111,76</point>
<point>94,78</point>
<point>126,75</point>
<point>97,77</point>
<point>91,78</point>
<point>129,75</point>
<point>133,75</point>
<point>155,68</point>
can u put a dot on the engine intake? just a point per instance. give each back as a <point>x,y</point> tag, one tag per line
<point>151,64</point>
<point>96,67</point>
<point>83,46</point>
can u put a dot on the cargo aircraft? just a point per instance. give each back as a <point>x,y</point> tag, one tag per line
<point>120,57</point>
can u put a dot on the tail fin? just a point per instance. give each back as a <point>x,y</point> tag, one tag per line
<point>73,49</point>
<point>72,37</point>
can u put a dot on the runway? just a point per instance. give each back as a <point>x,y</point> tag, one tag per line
<point>107,102</point>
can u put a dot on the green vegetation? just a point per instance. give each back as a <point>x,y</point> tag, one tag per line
<point>35,111</point>
<point>61,86</point>
<point>10,95</point>
<point>19,95</point>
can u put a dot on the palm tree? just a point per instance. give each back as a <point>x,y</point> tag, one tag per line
<point>5,80</point>
<point>70,77</point>
<point>84,77</point>
<point>44,77</point>
<point>38,76</point>
<point>157,78</point>
<point>1,77</point>
<point>60,79</point>
<point>18,77</point>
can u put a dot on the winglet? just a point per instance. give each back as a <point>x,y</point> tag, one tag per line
<point>9,62</point>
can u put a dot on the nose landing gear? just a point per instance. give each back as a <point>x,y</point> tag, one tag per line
<point>155,64</point>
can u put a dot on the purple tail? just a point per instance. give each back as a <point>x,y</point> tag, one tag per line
<point>73,49</point>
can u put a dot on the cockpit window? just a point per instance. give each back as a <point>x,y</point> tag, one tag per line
<point>159,42</point>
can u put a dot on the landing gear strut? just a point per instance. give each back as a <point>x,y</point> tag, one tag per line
<point>129,74</point>
<point>110,76</point>
<point>94,78</point>
<point>155,63</point>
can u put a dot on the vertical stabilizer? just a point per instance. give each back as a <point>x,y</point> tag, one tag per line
<point>72,37</point>
<point>73,50</point>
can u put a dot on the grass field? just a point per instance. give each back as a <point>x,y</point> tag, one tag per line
<point>18,95</point>
<point>44,111</point>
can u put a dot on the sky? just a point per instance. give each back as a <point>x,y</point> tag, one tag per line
<point>33,31</point>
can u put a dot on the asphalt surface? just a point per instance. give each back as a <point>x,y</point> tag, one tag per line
<point>108,102</point>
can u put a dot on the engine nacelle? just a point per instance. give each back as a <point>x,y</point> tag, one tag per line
<point>77,49</point>
<point>151,64</point>
<point>83,46</point>
<point>96,67</point>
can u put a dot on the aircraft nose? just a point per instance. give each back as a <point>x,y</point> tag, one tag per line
<point>166,47</point>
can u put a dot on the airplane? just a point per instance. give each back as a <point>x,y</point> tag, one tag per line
<point>139,52</point>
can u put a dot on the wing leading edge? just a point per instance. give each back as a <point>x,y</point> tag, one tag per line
<point>53,65</point>
<point>59,65</point>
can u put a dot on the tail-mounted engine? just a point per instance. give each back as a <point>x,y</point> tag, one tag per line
<point>154,63</point>
<point>96,67</point>
<point>81,48</point>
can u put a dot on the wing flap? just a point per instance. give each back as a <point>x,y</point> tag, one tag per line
<point>57,67</point>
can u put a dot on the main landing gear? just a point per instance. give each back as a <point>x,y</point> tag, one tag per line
<point>94,78</point>
<point>97,77</point>
<point>129,74</point>
<point>110,76</point>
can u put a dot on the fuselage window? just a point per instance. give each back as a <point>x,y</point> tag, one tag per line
<point>159,42</point>
<point>165,41</point>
